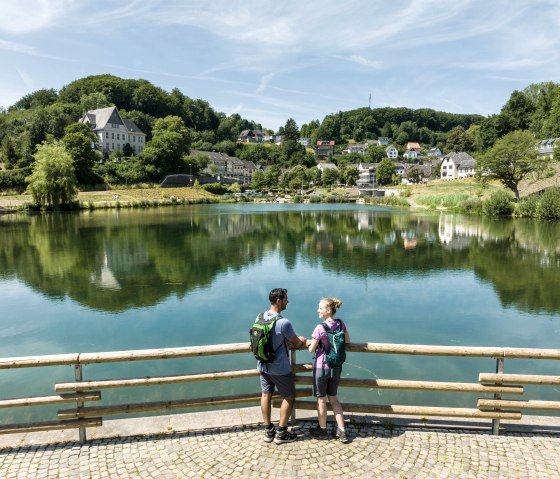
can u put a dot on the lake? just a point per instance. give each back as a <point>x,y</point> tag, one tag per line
<point>194,275</point>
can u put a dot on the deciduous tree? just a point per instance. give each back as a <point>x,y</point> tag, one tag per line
<point>52,183</point>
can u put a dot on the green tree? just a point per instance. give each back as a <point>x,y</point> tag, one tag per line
<point>290,130</point>
<point>52,183</point>
<point>170,142</point>
<point>385,172</point>
<point>511,159</point>
<point>329,176</point>
<point>79,140</point>
<point>458,140</point>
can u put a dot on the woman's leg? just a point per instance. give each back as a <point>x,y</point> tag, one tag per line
<point>322,411</point>
<point>337,410</point>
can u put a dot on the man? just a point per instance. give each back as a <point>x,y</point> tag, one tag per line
<point>278,373</point>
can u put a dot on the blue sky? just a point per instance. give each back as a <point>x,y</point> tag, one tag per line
<point>269,61</point>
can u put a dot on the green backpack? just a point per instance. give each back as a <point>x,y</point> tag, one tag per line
<point>261,338</point>
<point>336,354</point>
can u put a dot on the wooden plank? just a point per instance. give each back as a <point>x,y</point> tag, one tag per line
<point>519,379</point>
<point>415,410</point>
<point>421,385</point>
<point>37,361</point>
<point>90,411</point>
<point>163,353</point>
<point>50,425</point>
<point>461,351</point>
<point>54,399</point>
<point>518,404</point>
<point>154,381</point>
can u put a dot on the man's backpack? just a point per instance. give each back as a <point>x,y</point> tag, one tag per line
<point>336,354</point>
<point>261,338</point>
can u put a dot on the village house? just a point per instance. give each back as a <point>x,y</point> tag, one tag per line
<point>457,166</point>
<point>413,145</point>
<point>410,155</point>
<point>392,152</point>
<point>252,136</point>
<point>326,166</point>
<point>546,147</point>
<point>305,141</point>
<point>366,177</point>
<point>112,131</point>
<point>434,152</point>
<point>221,164</point>
<point>324,148</point>
<point>382,141</point>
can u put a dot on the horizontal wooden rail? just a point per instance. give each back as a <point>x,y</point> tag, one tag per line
<point>518,404</point>
<point>50,425</point>
<point>237,348</point>
<point>461,351</point>
<point>163,353</point>
<point>54,399</point>
<point>154,381</point>
<point>35,361</point>
<point>421,385</point>
<point>519,379</point>
<point>415,410</point>
<point>166,405</point>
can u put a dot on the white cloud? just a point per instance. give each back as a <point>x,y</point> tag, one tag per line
<point>21,16</point>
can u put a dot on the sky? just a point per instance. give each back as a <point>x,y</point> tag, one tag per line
<point>271,61</point>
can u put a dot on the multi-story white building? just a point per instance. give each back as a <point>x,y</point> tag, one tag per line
<point>457,166</point>
<point>114,132</point>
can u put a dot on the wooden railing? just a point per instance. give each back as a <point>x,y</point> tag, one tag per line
<point>82,391</point>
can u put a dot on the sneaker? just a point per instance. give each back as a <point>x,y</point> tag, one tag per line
<point>284,436</point>
<point>269,434</point>
<point>318,433</point>
<point>341,435</point>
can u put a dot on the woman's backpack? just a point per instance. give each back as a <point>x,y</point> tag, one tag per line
<point>336,354</point>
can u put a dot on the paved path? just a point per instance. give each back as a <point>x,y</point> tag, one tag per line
<point>238,451</point>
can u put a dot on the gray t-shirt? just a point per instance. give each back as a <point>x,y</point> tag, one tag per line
<point>283,331</point>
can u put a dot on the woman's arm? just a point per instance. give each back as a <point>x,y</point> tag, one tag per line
<point>313,345</point>
<point>346,337</point>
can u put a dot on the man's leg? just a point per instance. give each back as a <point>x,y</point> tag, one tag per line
<point>285,410</point>
<point>266,408</point>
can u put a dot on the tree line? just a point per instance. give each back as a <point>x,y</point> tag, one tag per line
<point>175,123</point>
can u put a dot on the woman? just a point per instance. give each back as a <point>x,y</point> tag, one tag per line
<point>325,378</point>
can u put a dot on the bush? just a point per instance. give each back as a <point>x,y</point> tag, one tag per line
<point>215,188</point>
<point>549,205</point>
<point>527,207</point>
<point>500,203</point>
<point>14,178</point>
<point>471,206</point>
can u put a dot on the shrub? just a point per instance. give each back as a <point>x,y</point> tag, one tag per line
<point>549,205</point>
<point>471,206</point>
<point>500,203</point>
<point>215,188</point>
<point>527,207</point>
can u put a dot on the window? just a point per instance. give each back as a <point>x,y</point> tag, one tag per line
<point>118,136</point>
<point>113,136</point>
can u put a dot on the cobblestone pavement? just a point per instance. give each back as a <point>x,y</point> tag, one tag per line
<point>240,452</point>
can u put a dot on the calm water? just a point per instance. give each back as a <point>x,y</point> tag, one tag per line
<point>185,276</point>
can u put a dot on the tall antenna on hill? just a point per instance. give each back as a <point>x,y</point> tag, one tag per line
<point>370,100</point>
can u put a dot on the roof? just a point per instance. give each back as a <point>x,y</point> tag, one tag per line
<point>327,166</point>
<point>325,142</point>
<point>412,144</point>
<point>462,159</point>
<point>216,156</point>
<point>99,118</point>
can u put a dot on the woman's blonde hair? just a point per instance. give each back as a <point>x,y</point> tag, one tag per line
<point>332,303</point>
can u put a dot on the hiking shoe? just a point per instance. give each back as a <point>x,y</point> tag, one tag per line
<point>284,436</point>
<point>318,433</point>
<point>341,435</point>
<point>269,434</point>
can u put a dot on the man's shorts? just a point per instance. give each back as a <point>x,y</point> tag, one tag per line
<point>284,383</point>
<point>326,384</point>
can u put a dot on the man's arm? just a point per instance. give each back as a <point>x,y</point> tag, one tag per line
<point>298,342</point>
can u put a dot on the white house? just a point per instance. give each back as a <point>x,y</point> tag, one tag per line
<point>114,132</point>
<point>305,141</point>
<point>382,141</point>
<point>410,154</point>
<point>457,166</point>
<point>546,147</point>
<point>434,152</point>
<point>366,175</point>
<point>252,136</point>
<point>392,152</point>
<point>326,166</point>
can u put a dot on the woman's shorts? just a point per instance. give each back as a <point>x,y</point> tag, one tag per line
<point>326,384</point>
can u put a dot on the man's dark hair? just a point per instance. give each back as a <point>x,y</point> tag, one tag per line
<point>276,294</point>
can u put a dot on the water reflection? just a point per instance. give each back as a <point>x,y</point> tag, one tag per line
<point>116,260</point>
